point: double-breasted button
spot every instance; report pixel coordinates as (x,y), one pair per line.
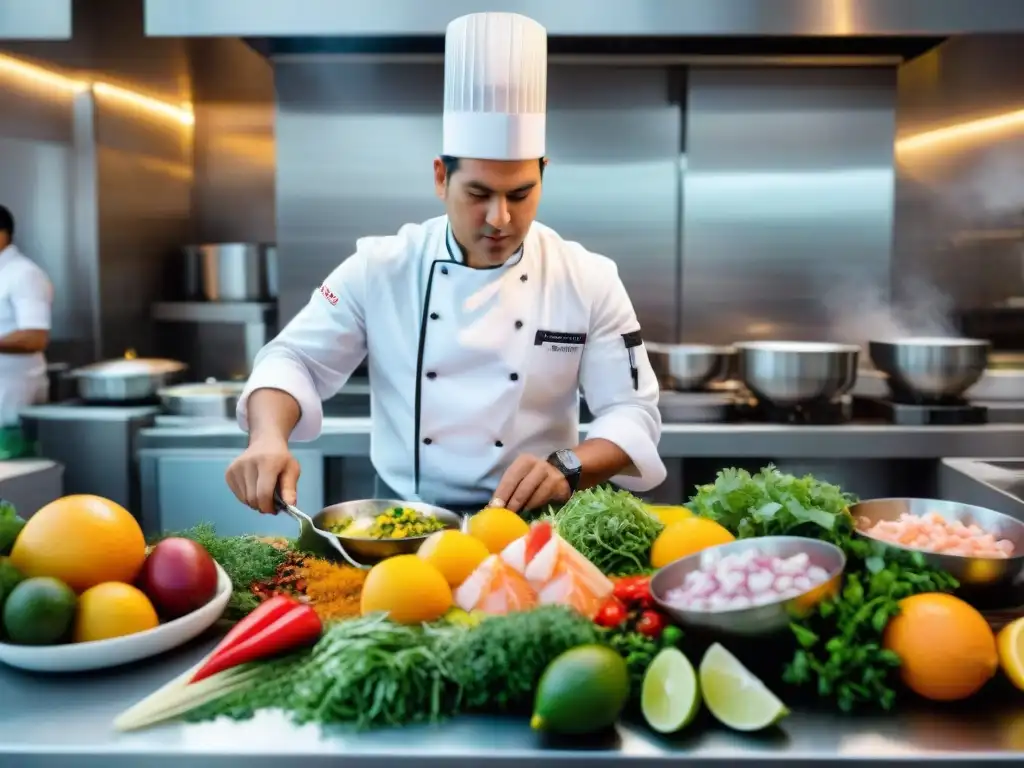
(431,375)
(427,441)
(523,278)
(514,376)
(444,270)
(519,324)
(498,444)
(434,316)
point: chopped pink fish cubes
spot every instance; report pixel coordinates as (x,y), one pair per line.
(744,580)
(933,533)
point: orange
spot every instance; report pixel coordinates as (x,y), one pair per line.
(686,537)
(112,610)
(947,649)
(82,541)
(409,589)
(454,554)
(497,528)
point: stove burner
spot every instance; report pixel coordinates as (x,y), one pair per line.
(907,397)
(924,414)
(819,412)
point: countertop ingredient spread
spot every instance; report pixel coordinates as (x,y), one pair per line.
(746,579)
(933,533)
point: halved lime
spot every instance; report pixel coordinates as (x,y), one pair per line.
(670,698)
(734,695)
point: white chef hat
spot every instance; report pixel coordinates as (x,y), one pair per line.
(495,87)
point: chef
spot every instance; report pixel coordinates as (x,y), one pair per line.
(26,297)
(480,327)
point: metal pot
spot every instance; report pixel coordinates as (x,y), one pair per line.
(212,400)
(231,271)
(791,373)
(127,379)
(930,368)
(689,367)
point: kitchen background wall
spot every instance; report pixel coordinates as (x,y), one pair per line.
(755,201)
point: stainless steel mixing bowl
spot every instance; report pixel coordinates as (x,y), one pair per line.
(791,373)
(930,368)
(984,581)
(760,619)
(368,550)
(689,367)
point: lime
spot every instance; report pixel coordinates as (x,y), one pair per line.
(39,611)
(734,695)
(670,697)
(582,691)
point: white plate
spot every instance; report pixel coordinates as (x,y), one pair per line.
(100,654)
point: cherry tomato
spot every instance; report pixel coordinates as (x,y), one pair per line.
(634,590)
(651,624)
(611,614)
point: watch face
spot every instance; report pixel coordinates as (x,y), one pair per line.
(568,459)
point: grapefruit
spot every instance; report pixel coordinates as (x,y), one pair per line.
(82,541)
(409,589)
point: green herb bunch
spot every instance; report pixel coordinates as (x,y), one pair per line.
(611,528)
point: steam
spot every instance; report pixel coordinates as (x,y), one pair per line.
(862,313)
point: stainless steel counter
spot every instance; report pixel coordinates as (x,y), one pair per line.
(348,437)
(65,721)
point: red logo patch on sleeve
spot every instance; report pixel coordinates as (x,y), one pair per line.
(328,294)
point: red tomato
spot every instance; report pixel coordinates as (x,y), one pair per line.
(611,614)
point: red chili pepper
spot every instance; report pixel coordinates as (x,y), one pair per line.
(299,626)
(611,614)
(265,614)
(651,624)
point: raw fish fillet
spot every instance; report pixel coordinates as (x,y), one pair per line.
(495,588)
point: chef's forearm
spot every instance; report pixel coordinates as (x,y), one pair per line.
(602,460)
(273,414)
(24,342)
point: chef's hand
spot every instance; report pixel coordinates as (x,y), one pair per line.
(264,466)
(530,482)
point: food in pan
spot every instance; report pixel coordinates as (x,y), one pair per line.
(395,523)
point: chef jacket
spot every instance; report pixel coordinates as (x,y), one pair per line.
(470,368)
(26,298)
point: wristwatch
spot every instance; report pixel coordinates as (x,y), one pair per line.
(568,463)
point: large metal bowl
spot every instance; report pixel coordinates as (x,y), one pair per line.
(985,581)
(368,550)
(931,369)
(689,367)
(791,373)
(759,620)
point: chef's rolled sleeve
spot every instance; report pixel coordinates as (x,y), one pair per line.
(32,300)
(624,404)
(316,353)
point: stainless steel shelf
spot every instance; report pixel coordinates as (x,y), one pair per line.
(245,313)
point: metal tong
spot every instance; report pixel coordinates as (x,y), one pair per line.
(313,539)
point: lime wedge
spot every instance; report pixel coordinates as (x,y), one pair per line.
(670,698)
(735,696)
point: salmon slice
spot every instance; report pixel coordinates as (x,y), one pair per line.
(495,588)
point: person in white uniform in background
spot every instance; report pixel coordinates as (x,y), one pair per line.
(480,327)
(26,298)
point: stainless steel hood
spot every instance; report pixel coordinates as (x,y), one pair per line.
(35,19)
(582,18)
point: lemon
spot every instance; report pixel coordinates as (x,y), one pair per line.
(1010,642)
(408,589)
(670,697)
(497,528)
(112,609)
(667,515)
(734,695)
(687,537)
(454,554)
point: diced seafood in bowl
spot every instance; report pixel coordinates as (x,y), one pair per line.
(933,533)
(746,579)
